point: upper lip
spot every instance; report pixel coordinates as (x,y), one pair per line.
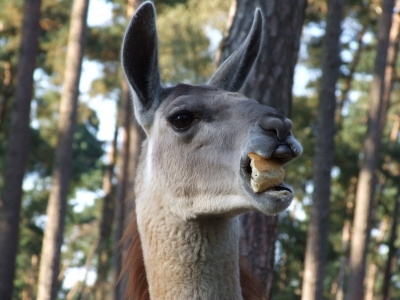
(283,153)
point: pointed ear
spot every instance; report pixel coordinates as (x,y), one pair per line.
(140,63)
(231,75)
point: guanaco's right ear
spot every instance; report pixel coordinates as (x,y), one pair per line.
(140,63)
(233,72)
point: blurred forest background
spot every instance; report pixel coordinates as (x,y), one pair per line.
(68,157)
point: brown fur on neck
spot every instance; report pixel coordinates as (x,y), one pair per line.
(137,285)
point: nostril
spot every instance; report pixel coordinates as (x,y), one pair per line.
(283,151)
(278,127)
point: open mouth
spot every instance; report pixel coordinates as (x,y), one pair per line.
(273,196)
(278,189)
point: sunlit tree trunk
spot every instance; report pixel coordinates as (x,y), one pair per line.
(18,148)
(107,215)
(370,281)
(136,139)
(390,77)
(391,74)
(317,236)
(31,279)
(346,234)
(372,267)
(80,286)
(270,82)
(372,144)
(391,259)
(56,209)
(123,171)
(5,93)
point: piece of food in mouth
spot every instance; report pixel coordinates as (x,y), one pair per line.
(265,173)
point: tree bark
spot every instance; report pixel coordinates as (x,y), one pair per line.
(81,285)
(5,93)
(317,236)
(269,82)
(346,234)
(31,279)
(390,70)
(391,259)
(390,73)
(18,148)
(56,210)
(123,167)
(136,138)
(257,244)
(370,281)
(106,223)
(373,268)
(372,144)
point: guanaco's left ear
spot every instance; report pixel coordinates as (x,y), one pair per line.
(231,75)
(140,63)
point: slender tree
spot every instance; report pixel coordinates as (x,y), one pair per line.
(317,236)
(372,267)
(56,209)
(270,82)
(346,233)
(123,172)
(18,148)
(79,289)
(391,259)
(367,177)
(106,221)
(4,98)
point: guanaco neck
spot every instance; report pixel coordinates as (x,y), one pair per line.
(190,259)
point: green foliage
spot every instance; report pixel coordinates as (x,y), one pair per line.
(104,43)
(53,38)
(184,46)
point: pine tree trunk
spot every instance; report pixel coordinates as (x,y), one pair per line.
(390,74)
(372,144)
(136,139)
(372,267)
(391,259)
(18,148)
(31,278)
(56,210)
(317,236)
(81,285)
(106,223)
(346,235)
(269,82)
(390,70)
(5,93)
(123,167)
(370,281)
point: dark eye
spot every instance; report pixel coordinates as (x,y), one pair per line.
(182,120)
